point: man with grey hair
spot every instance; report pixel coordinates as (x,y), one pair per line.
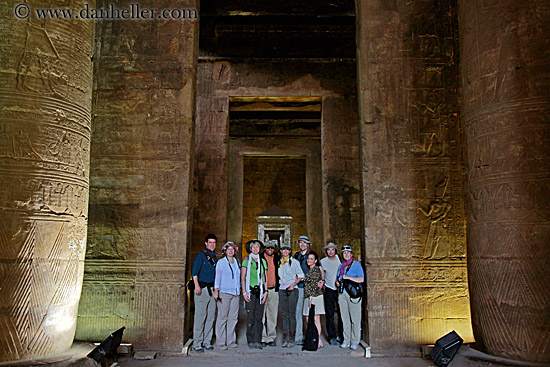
(330,265)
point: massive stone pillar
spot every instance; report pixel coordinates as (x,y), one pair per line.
(142,154)
(506,107)
(45,94)
(411,173)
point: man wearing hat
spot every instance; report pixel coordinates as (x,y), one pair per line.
(303,243)
(330,265)
(272,302)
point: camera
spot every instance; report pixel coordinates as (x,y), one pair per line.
(255,291)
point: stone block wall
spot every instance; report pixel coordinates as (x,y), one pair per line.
(274,181)
(142,156)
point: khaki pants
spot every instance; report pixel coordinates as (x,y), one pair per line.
(228,315)
(203,322)
(271,309)
(350,309)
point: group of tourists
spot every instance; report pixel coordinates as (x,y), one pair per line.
(273,283)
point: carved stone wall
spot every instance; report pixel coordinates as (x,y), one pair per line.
(142,154)
(505,75)
(341,174)
(216,173)
(45,104)
(411,173)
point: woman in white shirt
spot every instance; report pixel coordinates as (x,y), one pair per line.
(226,292)
(290,274)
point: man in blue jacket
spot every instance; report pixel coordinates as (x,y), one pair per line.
(203,273)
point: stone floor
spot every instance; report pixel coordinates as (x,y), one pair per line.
(329,356)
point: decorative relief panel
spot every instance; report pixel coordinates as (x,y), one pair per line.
(411,174)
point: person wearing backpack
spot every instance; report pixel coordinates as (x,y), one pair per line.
(350,309)
(227,290)
(203,274)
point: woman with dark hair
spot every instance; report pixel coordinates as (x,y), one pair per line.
(313,291)
(226,292)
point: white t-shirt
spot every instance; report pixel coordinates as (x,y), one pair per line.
(331,271)
(289,272)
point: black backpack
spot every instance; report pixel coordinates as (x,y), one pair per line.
(311,340)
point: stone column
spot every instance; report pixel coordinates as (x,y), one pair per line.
(414,225)
(142,153)
(45,94)
(505,68)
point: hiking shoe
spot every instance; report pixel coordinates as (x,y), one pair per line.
(258,346)
(198,350)
(233,345)
(272,344)
(333,342)
(300,342)
(251,345)
(208,347)
(344,345)
(223,347)
(353,347)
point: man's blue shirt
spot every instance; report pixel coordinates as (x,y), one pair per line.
(203,268)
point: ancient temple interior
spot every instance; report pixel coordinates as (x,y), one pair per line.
(416,132)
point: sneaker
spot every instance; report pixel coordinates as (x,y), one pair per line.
(258,346)
(251,345)
(223,347)
(233,345)
(272,344)
(208,347)
(300,342)
(344,345)
(339,339)
(198,350)
(353,347)
(333,342)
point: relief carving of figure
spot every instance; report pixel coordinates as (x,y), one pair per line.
(436,212)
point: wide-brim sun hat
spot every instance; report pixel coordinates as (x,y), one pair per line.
(230,244)
(305,239)
(251,242)
(330,245)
